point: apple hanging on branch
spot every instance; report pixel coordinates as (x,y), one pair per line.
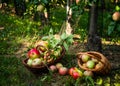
(116,16)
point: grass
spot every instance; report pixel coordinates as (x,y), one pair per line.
(17,33)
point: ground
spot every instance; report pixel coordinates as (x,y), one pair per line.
(110,51)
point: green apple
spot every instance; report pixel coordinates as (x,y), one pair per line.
(85,58)
(29,62)
(90,64)
(36,61)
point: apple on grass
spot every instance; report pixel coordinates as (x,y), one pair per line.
(75,75)
(88,73)
(59,65)
(71,70)
(63,71)
(75,72)
(52,68)
(79,71)
(33,53)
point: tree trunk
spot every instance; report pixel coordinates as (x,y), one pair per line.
(20,7)
(94,41)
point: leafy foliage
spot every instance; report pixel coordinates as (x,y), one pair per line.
(62,40)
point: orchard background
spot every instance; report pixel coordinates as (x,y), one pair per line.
(24,22)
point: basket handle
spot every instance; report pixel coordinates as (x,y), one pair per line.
(38,47)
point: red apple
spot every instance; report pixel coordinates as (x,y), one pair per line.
(79,71)
(75,72)
(59,65)
(33,53)
(75,75)
(116,16)
(71,70)
(63,71)
(53,68)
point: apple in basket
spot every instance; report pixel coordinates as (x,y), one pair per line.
(37,61)
(90,64)
(85,58)
(33,53)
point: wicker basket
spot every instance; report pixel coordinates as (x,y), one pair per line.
(37,70)
(103,69)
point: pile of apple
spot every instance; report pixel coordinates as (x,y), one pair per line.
(74,72)
(90,62)
(41,54)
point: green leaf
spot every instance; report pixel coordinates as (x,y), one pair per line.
(111,27)
(118,27)
(89,80)
(63,36)
(51,32)
(45,38)
(69,39)
(65,45)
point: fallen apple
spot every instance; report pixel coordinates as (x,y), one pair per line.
(71,71)
(88,73)
(53,68)
(90,64)
(59,65)
(63,71)
(79,71)
(85,58)
(33,53)
(75,75)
